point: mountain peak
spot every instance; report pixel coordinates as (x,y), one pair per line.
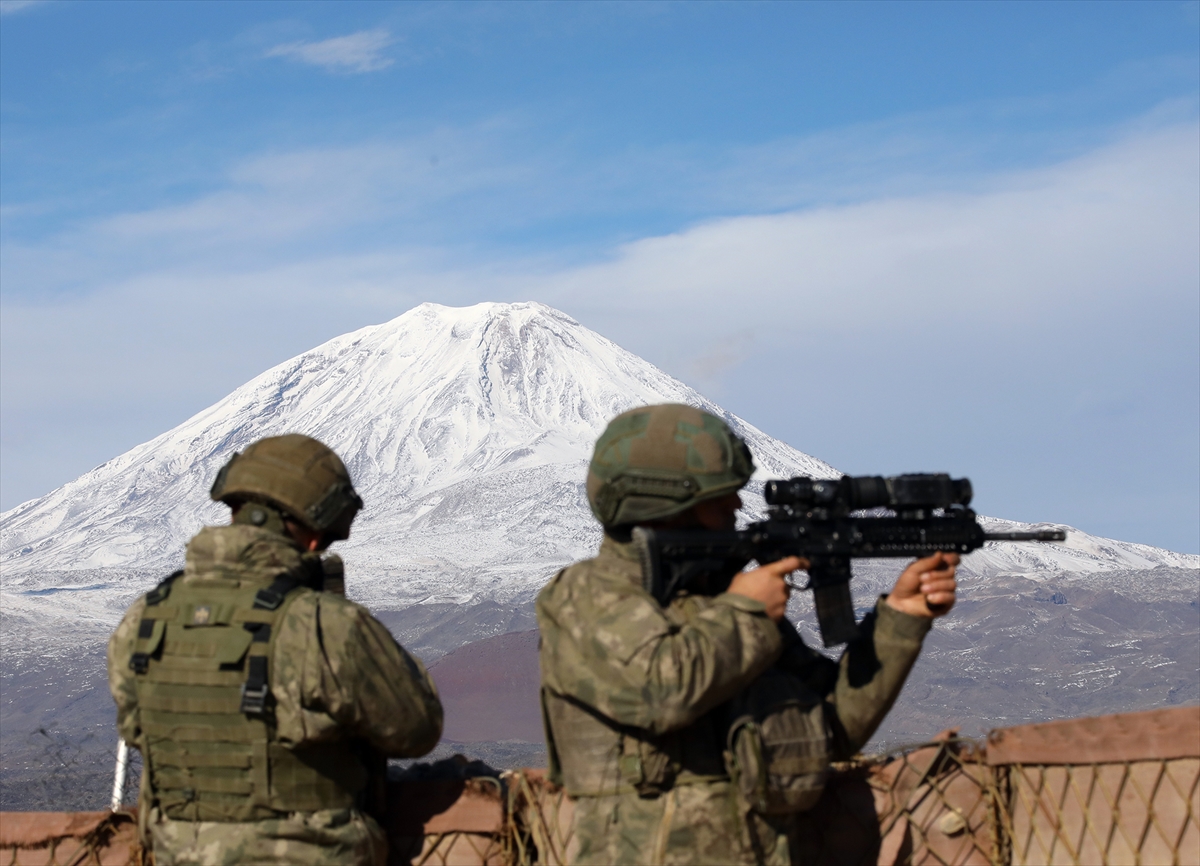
(439,398)
(467,432)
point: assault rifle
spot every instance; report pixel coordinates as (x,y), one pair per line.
(827,522)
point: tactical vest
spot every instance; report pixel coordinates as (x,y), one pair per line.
(206,711)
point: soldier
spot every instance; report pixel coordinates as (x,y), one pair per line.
(636,697)
(265,709)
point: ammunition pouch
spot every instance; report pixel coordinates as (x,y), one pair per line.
(778,746)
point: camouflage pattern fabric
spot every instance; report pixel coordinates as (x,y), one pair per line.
(337,676)
(655,461)
(298,839)
(619,669)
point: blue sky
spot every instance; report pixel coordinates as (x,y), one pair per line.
(899,236)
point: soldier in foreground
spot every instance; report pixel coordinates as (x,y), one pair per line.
(264,708)
(645,706)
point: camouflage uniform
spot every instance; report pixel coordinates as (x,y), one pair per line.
(292,784)
(632,693)
(624,678)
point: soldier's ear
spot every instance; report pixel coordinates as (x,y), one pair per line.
(310,541)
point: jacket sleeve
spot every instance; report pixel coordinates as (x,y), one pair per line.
(861,688)
(120,678)
(609,645)
(358,675)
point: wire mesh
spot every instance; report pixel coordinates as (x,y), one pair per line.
(1135,812)
(941,803)
(541,816)
(935,805)
(463,849)
(110,841)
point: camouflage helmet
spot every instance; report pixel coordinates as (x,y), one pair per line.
(296,473)
(658,461)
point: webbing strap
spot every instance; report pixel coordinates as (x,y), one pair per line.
(159,594)
(149,637)
(270,597)
(140,661)
(256,688)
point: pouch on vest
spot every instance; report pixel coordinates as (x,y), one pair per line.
(778,745)
(650,765)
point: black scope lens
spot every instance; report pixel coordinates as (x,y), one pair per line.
(871,491)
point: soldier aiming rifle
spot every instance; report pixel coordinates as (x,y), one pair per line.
(683,712)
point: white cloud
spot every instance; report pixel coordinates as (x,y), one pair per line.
(1120,223)
(8,7)
(1117,222)
(356,52)
(1065,292)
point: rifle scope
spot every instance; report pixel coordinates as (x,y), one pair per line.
(901,492)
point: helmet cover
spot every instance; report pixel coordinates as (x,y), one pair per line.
(296,473)
(654,462)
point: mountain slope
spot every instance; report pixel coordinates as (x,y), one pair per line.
(450,420)
(467,431)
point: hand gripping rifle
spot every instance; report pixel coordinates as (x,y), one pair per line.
(823,521)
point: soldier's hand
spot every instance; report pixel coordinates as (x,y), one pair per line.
(767,584)
(927,587)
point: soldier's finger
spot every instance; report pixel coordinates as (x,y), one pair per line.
(939,604)
(941,569)
(941,594)
(928,563)
(939,585)
(785,566)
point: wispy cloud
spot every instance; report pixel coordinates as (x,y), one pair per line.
(8,7)
(1061,297)
(357,52)
(1116,226)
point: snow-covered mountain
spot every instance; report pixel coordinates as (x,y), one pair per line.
(467,432)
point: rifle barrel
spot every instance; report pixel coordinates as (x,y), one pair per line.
(1040,535)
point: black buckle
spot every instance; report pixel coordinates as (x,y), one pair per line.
(140,663)
(268,598)
(254,699)
(255,689)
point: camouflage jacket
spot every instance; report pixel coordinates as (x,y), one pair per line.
(337,675)
(631,696)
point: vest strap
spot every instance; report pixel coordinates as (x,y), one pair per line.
(270,597)
(257,687)
(139,663)
(159,594)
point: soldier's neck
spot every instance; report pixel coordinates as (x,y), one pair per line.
(619,544)
(262,516)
